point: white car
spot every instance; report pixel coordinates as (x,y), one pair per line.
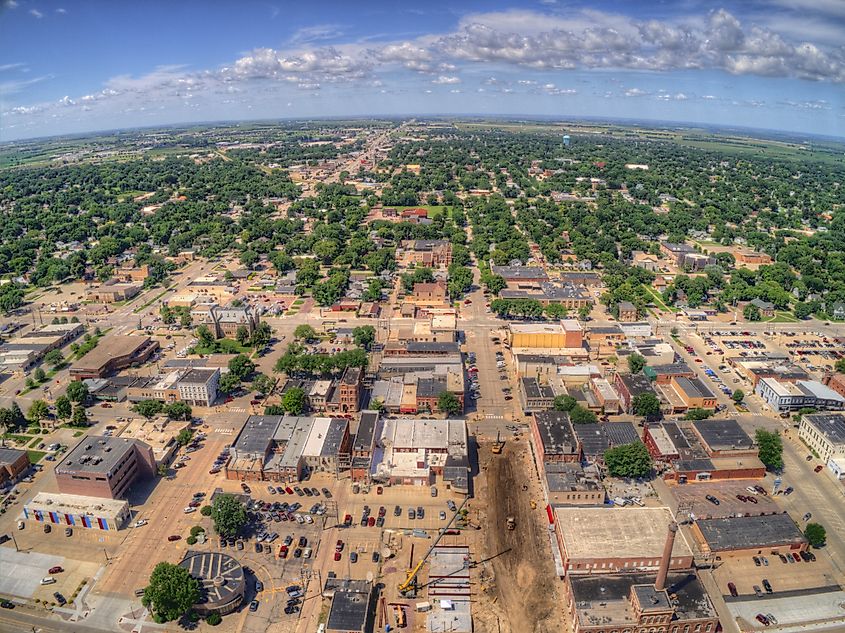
(189,509)
(140,523)
(751,490)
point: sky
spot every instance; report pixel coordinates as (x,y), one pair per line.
(74,66)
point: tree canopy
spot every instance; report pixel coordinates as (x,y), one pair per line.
(628,460)
(171,592)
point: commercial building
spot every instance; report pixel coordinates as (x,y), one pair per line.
(749,535)
(535,396)
(77,511)
(547,292)
(515,276)
(629,386)
(837,383)
(663,374)
(429,294)
(364,444)
(610,540)
(222,581)
(113,291)
(559,336)
(685,256)
(113,353)
(554,440)
(627,312)
(198,387)
(782,396)
(352,609)
(104,467)
(13,463)
(568,484)
(640,603)
(337,395)
(723,438)
(24,351)
(415,452)
(689,393)
(159,434)
(824,433)
(418,391)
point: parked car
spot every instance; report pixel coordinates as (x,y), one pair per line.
(767,585)
(762,619)
(173,537)
(732,589)
(55,570)
(712,499)
(253,606)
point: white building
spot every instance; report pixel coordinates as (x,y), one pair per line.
(198,387)
(824,433)
(786,396)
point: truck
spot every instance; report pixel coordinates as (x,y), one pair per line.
(511,523)
(498,445)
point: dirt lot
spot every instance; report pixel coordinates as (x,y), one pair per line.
(519,588)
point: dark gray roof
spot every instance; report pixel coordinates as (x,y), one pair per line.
(636,384)
(199,375)
(693,387)
(533,389)
(256,434)
(350,610)
(334,437)
(593,439)
(430,346)
(723,435)
(10,455)
(750,532)
(621,433)
(351,376)
(694,465)
(520,272)
(831,425)
(679,440)
(672,369)
(556,433)
(690,597)
(98,454)
(366,431)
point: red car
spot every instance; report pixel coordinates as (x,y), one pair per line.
(339,546)
(818,468)
(174,537)
(289,490)
(106,405)
(379,490)
(337,555)
(347,520)
(371,521)
(55,570)
(283,551)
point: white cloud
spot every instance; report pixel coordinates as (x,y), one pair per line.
(635,92)
(36,13)
(10,4)
(61,11)
(316,33)
(444,79)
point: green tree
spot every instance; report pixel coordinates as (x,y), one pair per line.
(261,336)
(564,403)
(38,411)
(262,383)
(294,401)
(738,396)
(364,336)
(167,315)
(304,332)
(178,411)
(376,405)
(171,592)
(79,418)
(580,415)
(636,363)
(54,357)
(39,375)
(206,511)
(77,391)
(495,283)
(646,404)
(816,534)
(584,312)
(769,449)
(448,403)
(184,436)
(64,408)
(242,335)
(241,367)
(205,336)
(698,414)
(555,311)
(228,514)
(229,383)
(840,365)
(148,408)
(628,460)
(751,313)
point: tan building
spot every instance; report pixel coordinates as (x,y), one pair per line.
(112,292)
(113,353)
(429,294)
(104,467)
(429,253)
(566,334)
(627,312)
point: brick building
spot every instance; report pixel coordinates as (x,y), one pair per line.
(104,467)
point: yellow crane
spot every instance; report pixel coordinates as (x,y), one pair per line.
(498,445)
(412,573)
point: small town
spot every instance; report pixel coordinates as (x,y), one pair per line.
(290,343)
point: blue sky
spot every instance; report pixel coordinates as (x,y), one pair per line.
(77,66)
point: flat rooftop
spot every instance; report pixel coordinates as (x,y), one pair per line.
(349,610)
(723,435)
(831,425)
(617,532)
(109,347)
(74,504)
(750,532)
(95,454)
(555,432)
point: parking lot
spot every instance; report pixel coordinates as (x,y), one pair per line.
(694,498)
(745,574)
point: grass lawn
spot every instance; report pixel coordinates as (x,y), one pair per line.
(78,433)
(35,442)
(21,439)
(658,300)
(35,456)
(782,317)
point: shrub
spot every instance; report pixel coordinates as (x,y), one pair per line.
(214,619)
(192,540)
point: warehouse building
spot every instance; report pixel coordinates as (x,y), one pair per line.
(69,510)
(749,535)
(609,540)
(113,353)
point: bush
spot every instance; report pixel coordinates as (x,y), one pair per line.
(205,511)
(197,529)
(192,540)
(214,619)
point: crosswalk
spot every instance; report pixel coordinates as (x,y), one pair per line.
(494,416)
(223,431)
